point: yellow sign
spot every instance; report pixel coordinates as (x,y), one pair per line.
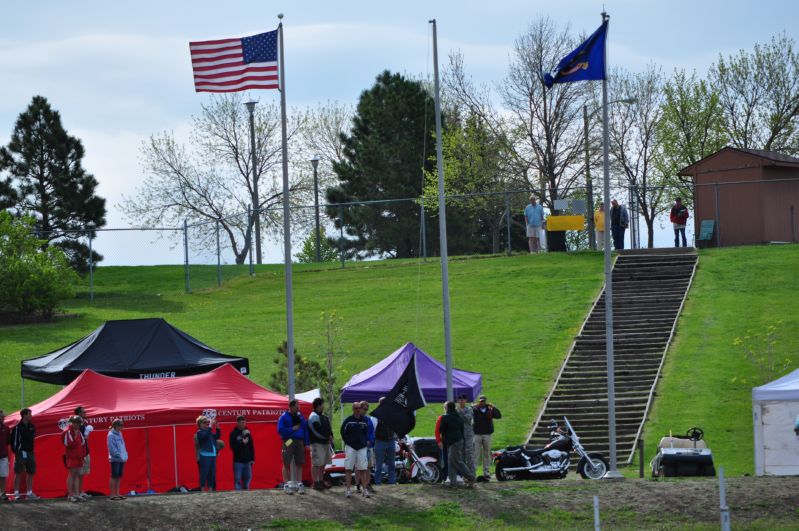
(559,223)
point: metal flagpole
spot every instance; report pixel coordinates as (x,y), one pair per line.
(286,220)
(442,220)
(612,473)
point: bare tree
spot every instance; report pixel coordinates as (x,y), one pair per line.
(759,93)
(210,178)
(633,140)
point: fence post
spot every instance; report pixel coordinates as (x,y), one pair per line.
(718,227)
(793,223)
(724,510)
(249,224)
(186,254)
(341,234)
(91,269)
(596,513)
(424,233)
(218,258)
(640,458)
(507,221)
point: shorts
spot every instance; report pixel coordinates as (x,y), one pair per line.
(3,467)
(533,232)
(87,466)
(74,462)
(321,454)
(116,469)
(355,459)
(293,452)
(25,465)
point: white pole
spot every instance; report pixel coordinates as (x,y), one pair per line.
(286,220)
(596,513)
(723,509)
(442,220)
(612,473)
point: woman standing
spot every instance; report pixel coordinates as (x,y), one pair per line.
(75,453)
(206,440)
(117,456)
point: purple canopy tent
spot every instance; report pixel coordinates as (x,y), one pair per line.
(378,379)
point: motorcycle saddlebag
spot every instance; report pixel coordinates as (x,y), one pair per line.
(511,457)
(426,448)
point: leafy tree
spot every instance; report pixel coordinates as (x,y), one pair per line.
(46,179)
(308,374)
(35,277)
(385,157)
(327,252)
(759,95)
(690,128)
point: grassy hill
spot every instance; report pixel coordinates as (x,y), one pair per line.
(513,319)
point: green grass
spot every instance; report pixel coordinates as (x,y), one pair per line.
(513,319)
(707,382)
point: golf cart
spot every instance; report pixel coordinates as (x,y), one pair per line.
(686,455)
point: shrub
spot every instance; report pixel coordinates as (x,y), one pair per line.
(34,277)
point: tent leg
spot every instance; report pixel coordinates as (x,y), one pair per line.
(22,397)
(175,453)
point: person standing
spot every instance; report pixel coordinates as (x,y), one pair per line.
(679,218)
(385,451)
(293,430)
(452,435)
(74,455)
(440,443)
(370,451)
(619,221)
(85,429)
(484,415)
(22,440)
(534,219)
(117,457)
(321,436)
(243,449)
(358,434)
(467,415)
(5,443)
(599,226)
(208,433)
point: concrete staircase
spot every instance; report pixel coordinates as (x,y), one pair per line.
(649,287)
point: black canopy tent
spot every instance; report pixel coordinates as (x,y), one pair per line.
(133,348)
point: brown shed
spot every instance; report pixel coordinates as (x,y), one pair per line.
(751,195)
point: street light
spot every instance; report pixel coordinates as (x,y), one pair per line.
(315,164)
(256,201)
(589,186)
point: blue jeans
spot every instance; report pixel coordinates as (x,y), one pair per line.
(385,453)
(207,465)
(242,475)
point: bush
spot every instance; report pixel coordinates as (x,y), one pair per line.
(35,277)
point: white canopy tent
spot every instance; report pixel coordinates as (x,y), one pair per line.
(775,411)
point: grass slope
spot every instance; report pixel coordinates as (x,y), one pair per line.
(513,319)
(707,382)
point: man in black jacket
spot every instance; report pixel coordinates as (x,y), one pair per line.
(358,434)
(385,451)
(22,437)
(321,434)
(243,449)
(484,415)
(452,436)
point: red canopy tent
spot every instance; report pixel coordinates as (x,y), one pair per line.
(159,417)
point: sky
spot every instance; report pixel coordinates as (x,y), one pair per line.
(120,71)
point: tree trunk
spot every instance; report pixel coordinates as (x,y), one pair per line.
(650,232)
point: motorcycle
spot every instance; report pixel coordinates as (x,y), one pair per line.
(416,460)
(551,461)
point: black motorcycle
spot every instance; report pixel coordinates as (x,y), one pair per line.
(551,461)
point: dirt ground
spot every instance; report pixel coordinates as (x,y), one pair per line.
(652,504)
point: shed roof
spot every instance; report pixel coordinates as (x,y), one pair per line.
(771,157)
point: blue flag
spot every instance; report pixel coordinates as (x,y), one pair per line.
(585,63)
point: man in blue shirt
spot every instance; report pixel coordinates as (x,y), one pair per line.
(533,218)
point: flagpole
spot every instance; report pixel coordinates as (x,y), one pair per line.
(442,220)
(286,219)
(613,473)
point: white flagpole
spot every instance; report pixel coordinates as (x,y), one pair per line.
(286,219)
(613,472)
(442,220)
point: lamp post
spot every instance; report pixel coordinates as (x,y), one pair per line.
(315,164)
(256,201)
(589,185)
(90,226)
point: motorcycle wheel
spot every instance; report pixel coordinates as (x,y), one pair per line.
(598,471)
(499,472)
(428,474)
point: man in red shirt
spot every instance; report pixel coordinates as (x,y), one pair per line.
(5,442)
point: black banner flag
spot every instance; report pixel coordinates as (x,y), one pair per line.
(398,409)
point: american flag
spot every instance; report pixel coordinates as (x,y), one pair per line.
(232,65)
